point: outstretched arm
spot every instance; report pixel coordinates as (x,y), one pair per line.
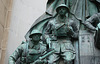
(93,19)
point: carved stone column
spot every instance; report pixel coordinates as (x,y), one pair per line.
(5,14)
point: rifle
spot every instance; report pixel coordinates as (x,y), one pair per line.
(43,57)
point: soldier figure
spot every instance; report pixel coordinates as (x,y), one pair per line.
(59,32)
(29,52)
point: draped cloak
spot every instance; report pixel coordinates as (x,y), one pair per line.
(81,9)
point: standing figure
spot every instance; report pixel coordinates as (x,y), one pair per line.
(29,52)
(59,33)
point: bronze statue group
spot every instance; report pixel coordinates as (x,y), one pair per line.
(50,39)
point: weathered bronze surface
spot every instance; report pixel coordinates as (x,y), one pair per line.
(93,23)
(28,52)
(59,32)
(70,34)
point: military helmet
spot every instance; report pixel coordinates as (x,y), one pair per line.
(62,5)
(35,32)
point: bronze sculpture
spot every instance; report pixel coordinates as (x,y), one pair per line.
(59,32)
(28,52)
(81,9)
(93,24)
(60,25)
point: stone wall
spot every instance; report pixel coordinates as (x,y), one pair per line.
(5,14)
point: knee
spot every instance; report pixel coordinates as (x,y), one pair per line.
(68,56)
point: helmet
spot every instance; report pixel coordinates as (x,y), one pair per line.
(62,5)
(35,32)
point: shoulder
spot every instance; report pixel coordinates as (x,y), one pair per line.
(95,16)
(23,46)
(23,42)
(51,21)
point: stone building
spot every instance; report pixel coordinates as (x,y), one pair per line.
(5,16)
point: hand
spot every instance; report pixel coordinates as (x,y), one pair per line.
(69,29)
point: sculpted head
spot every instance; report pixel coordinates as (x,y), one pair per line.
(62,9)
(35,35)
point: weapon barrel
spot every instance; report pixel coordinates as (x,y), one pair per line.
(46,55)
(43,57)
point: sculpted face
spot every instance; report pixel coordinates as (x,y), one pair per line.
(62,11)
(36,37)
